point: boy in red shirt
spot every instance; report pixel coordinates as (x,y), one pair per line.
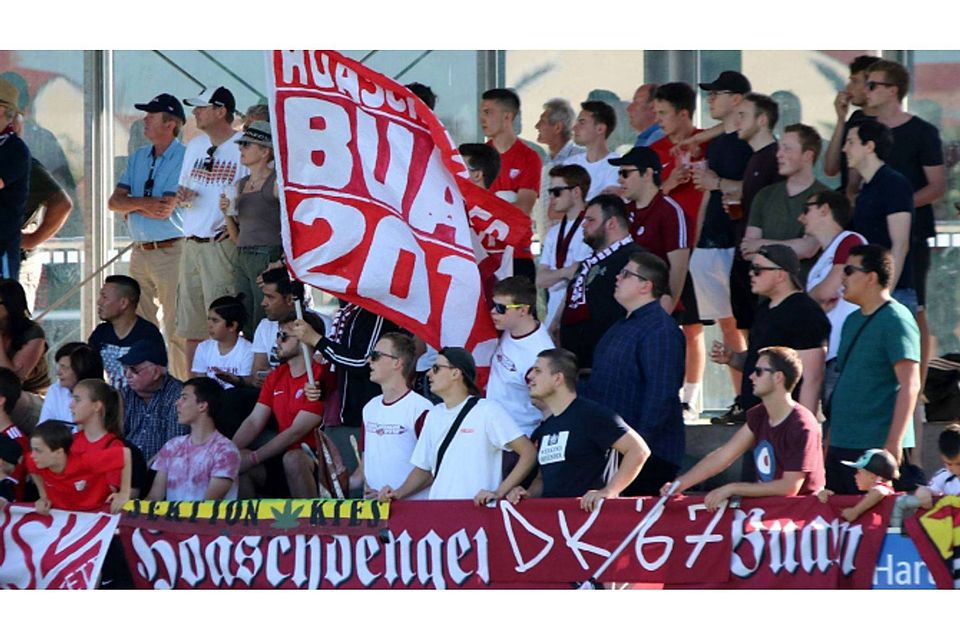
(77,482)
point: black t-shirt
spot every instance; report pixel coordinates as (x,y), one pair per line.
(604,310)
(916,144)
(727,156)
(762,170)
(42,187)
(888,192)
(104,339)
(15,173)
(573,448)
(797,322)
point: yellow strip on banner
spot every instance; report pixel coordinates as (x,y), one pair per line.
(336,511)
(939,525)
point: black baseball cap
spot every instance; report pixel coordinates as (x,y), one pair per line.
(732,81)
(785,258)
(460,358)
(145,351)
(219,97)
(642,158)
(878,461)
(163,103)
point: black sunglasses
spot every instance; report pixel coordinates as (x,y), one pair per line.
(850,269)
(436,368)
(873,84)
(376,355)
(208,161)
(758,371)
(556,191)
(625,173)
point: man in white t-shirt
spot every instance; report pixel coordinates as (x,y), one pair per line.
(211,163)
(393,420)
(204,464)
(471,467)
(596,122)
(563,246)
(523,337)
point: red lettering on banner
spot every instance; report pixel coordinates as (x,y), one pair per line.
(402,273)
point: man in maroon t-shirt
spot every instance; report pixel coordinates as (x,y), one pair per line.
(783,434)
(657,222)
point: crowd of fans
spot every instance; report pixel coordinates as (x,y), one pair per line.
(203,381)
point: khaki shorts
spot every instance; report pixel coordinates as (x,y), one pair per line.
(206,273)
(710,270)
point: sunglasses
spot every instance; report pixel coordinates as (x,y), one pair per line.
(376,355)
(208,161)
(756,269)
(556,191)
(436,368)
(850,269)
(758,371)
(873,84)
(625,173)
(501,308)
(283,336)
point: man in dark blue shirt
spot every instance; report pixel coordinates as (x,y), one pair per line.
(638,370)
(14,182)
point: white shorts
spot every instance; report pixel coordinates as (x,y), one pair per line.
(710,270)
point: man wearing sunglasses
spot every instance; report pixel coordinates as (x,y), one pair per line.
(146,197)
(393,420)
(284,398)
(878,378)
(522,338)
(563,246)
(786,317)
(471,466)
(210,163)
(657,222)
(638,370)
(782,435)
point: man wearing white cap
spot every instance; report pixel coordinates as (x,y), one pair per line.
(14,182)
(210,164)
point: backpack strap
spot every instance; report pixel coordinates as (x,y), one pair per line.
(471,402)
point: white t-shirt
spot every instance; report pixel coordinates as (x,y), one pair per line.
(473,460)
(56,406)
(945,483)
(389,438)
(818,273)
(578,251)
(508,371)
(203,217)
(239,361)
(265,339)
(602,173)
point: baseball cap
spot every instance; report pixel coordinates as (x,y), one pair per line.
(460,358)
(145,351)
(642,158)
(732,81)
(10,450)
(219,97)
(163,103)
(258,133)
(785,258)
(9,95)
(878,461)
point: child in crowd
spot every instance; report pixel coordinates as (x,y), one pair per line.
(9,394)
(11,456)
(97,410)
(876,471)
(946,481)
(73,481)
(225,356)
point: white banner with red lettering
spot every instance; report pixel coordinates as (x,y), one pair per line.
(373,209)
(63,550)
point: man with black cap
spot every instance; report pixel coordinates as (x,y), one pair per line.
(14,182)
(150,399)
(146,196)
(211,163)
(788,317)
(657,222)
(716,237)
(469,434)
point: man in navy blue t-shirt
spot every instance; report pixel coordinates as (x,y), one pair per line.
(574,443)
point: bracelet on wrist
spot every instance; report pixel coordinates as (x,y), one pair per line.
(253,457)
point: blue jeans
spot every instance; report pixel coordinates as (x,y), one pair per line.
(908,298)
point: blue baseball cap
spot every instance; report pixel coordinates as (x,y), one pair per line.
(145,351)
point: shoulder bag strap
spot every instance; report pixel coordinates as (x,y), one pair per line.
(471,402)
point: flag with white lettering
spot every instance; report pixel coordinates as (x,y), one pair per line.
(372,199)
(62,550)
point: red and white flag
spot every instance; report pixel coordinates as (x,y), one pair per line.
(373,206)
(63,550)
